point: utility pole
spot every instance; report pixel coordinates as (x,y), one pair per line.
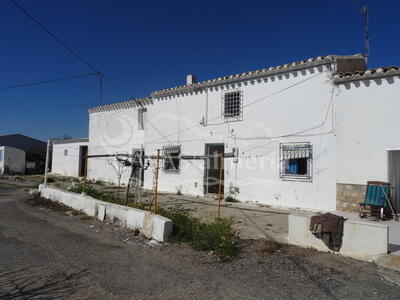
(155,191)
(101,88)
(47,162)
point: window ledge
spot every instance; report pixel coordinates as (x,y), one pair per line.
(305,178)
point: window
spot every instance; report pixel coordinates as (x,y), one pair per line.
(296,161)
(232,106)
(65,152)
(171,161)
(141,118)
(1,155)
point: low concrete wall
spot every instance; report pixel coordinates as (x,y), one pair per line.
(151,225)
(361,239)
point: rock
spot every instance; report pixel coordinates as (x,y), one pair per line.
(69,213)
(34,192)
(18,179)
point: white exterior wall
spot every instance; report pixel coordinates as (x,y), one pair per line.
(112,132)
(13,158)
(367,122)
(66,165)
(296,104)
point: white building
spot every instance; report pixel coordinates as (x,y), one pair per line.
(68,158)
(12,160)
(303,133)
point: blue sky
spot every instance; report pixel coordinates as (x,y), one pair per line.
(142,46)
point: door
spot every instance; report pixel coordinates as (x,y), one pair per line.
(394,177)
(83,150)
(212,169)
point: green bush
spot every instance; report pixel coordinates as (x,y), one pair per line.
(231,199)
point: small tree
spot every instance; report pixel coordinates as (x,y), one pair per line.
(119,166)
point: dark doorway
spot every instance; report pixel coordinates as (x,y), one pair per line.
(394,177)
(212,167)
(83,150)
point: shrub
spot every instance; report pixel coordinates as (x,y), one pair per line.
(231,199)
(217,236)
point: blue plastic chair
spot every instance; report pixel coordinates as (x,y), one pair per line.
(377,198)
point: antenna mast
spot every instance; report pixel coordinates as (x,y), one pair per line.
(366,52)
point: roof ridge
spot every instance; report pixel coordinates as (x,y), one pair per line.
(368,74)
(300,64)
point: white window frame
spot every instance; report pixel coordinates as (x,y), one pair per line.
(304,150)
(235,117)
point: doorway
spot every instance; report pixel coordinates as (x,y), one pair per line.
(83,150)
(212,168)
(394,177)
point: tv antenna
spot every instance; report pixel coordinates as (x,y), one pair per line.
(366,51)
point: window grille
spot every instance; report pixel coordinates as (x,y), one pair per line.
(296,161)
(232,106)
(171,160)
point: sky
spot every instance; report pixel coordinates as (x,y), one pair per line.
(143,46)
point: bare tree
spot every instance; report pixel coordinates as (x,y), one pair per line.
(119,166)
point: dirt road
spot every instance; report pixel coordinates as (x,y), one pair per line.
(52,253)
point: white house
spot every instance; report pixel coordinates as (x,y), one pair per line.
(68,158)
(304,133)
(12,160)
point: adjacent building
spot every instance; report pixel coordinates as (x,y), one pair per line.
(35,150)
(12,160)
(68,157)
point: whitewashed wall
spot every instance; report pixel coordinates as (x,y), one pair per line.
(67,165)
(13,158)
(112,132)
(367,122)
(292,107)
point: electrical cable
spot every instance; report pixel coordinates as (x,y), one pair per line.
(69,49)
(46,81)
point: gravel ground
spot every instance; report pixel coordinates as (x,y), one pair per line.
(51,251)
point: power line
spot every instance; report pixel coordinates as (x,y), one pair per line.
(46,81)
(69,49)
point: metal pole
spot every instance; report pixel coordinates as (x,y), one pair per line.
(221,172)
(46,168)
(156,181)
(101,89)
(85,174)
(129,181)
(141,170)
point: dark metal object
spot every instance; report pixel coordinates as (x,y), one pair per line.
(329,228)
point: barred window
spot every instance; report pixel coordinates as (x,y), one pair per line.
(232,106)
(171,160)
(296,161)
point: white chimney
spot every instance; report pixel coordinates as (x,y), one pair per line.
(190,79)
